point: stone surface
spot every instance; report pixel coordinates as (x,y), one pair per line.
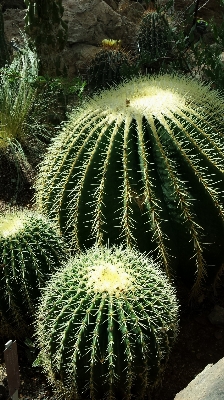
(133,12)
(89,22)
(216,316)
(208,385)
(78,56)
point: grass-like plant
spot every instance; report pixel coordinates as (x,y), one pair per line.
(26,108)
(142,164)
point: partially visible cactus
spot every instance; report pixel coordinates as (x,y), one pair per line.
(106,324)
(109,66)
(142,164)
(4,51)
(44,25)
(154,37)
(30,250)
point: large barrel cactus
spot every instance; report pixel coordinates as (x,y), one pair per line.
(143,164)
(30,250)
(106,324)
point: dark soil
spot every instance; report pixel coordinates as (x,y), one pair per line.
(199,342)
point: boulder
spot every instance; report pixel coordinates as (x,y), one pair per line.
(91,21)
(208,385)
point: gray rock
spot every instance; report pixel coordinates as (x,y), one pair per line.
(208,385)
(78,56)
(134,12)
(91,21)
(216,316)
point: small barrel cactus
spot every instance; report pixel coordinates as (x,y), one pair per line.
(109,66)
(105,325)
(142,164)
(154,36)
(30,249)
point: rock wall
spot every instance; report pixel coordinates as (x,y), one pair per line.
(89,22)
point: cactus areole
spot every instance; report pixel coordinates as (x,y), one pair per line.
(106,324)
(143,164)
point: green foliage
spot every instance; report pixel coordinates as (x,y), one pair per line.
(109,66)
(30,250)
(197,48)
(4,53)
(142,164)
(207,62)
(44,25)
(28,113)
(105,325)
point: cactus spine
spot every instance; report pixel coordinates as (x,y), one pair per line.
(30,249)
(106,324)
(44,25)
(142,164)
(4,53)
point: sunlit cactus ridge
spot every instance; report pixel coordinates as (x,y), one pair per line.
(30,249)
(105,325)
(142,164)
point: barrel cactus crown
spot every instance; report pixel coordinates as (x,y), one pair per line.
(142,164)
(30,249)
(105,325)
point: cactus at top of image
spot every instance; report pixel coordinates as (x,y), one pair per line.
(143,164)
(154,36)
(105,325)
(30,250)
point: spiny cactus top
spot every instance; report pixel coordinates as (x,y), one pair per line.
(105,325)
(30,249)
(143,164)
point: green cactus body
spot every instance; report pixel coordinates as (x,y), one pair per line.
(4,53)
(109,66)
(105,325)
(44,25)
(30,250)
(154,37)
(142,164)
